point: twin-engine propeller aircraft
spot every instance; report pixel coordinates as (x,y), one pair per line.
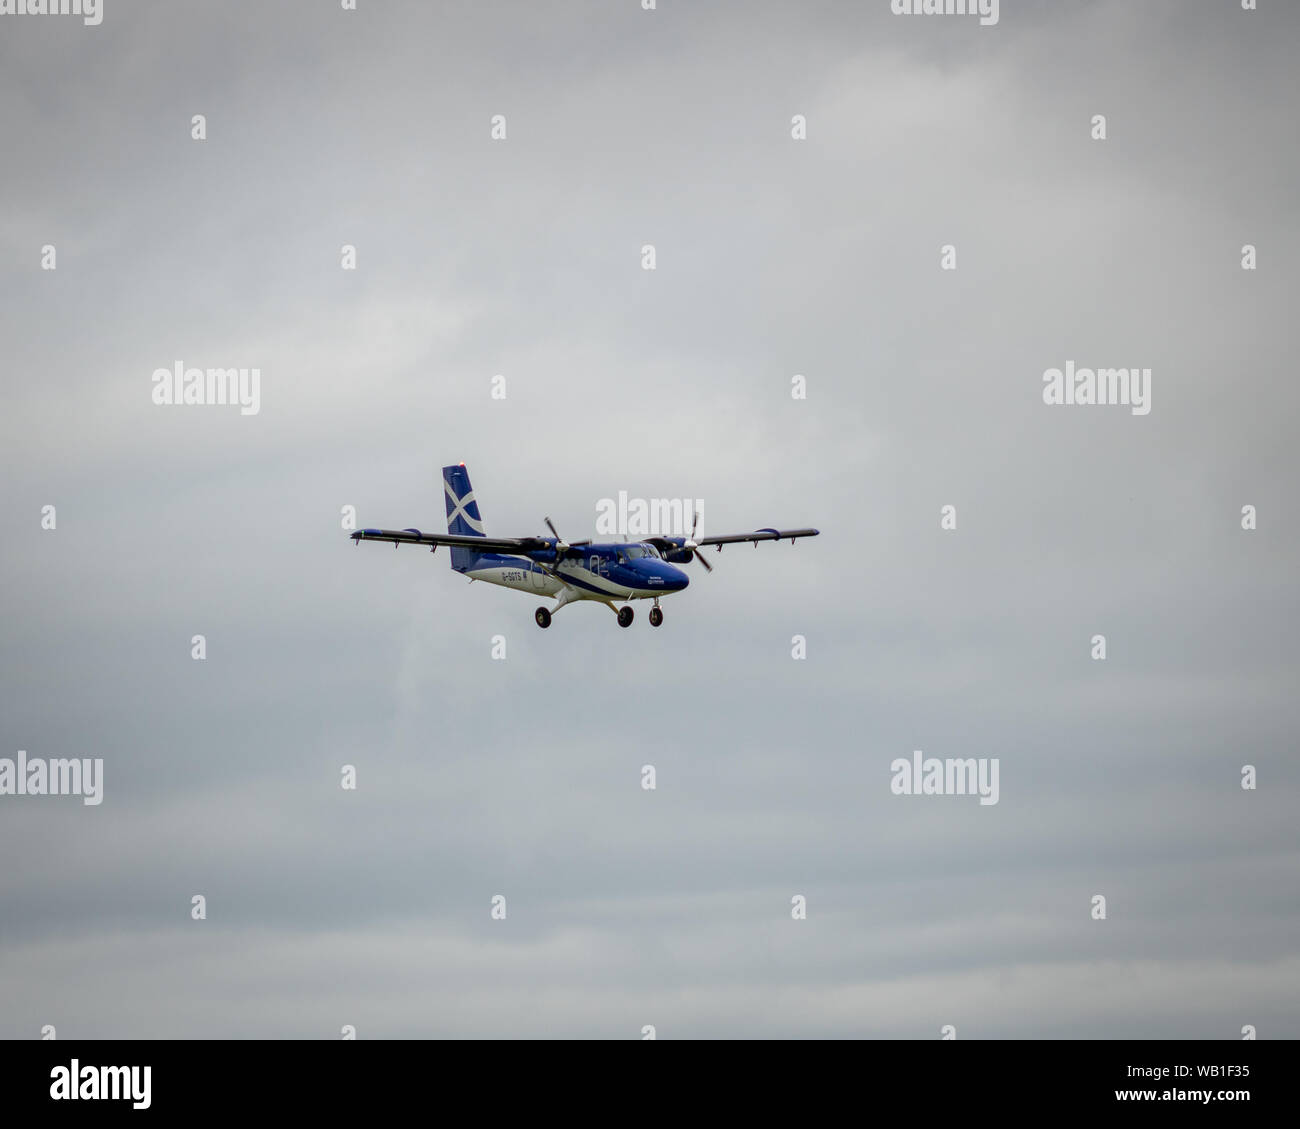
(568,570)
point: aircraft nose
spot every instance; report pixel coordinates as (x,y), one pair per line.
(664,576)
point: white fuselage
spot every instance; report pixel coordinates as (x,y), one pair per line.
(593,577)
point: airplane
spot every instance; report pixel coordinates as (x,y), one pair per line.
(570,571)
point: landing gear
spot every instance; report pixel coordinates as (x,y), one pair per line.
(625,617)
(543,617)
(656,617)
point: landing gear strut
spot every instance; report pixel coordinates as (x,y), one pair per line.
(656,617)
(543,617)
(625,617)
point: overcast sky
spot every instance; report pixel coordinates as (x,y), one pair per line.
(774,257)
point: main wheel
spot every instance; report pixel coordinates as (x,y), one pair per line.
(656,617)
(624,617)
(543,617)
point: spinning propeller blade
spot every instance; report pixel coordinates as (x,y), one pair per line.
(691,547)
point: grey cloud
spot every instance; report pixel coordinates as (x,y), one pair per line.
(522,777)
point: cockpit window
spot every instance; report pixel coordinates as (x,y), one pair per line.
(635,551)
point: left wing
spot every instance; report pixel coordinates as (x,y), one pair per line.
(682,544)
(687,549)
(759,535)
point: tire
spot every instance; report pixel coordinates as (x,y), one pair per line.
(543,617)
(625,616)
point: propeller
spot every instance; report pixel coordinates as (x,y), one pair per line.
(691,547)
(561,547)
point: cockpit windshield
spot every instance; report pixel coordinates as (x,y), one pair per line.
(634,551)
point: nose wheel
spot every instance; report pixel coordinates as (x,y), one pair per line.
(656,617)
(543,617)
(625,617)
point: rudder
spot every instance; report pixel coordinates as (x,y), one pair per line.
(463,517)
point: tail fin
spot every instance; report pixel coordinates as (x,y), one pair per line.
(463,517)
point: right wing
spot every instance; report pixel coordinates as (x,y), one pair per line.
(485,544)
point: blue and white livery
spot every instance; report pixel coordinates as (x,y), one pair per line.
(567,571)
